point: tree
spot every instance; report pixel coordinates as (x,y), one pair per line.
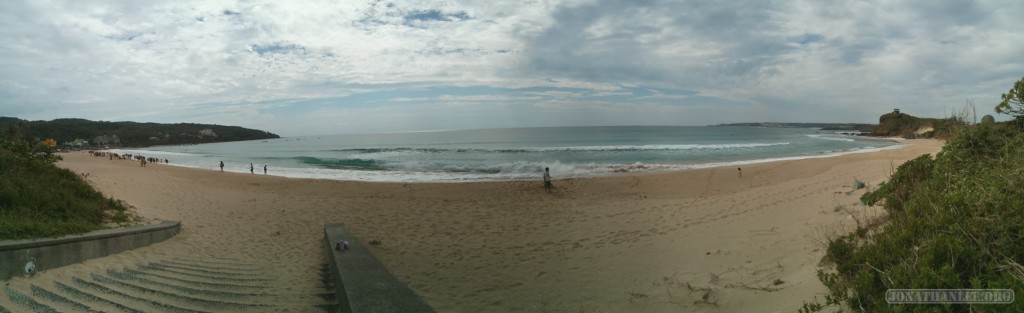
(1013,101)
(14,144)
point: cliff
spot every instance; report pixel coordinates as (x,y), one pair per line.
(898,124)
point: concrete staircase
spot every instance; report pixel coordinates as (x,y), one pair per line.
(172,285)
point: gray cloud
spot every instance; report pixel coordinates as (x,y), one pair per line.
(884,53)
(634,41)
(278,61)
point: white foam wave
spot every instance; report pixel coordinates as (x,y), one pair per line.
(793,158)
(149,152)
(409,150)
(431,172)
(817,136)
(666,147)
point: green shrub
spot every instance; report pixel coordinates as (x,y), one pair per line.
(38,199)
(955,221)
(898,189)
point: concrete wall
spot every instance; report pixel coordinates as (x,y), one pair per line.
(56,252)
(362,282)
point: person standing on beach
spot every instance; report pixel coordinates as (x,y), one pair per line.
(547,180)
(252,169)
(222,166)
(740,169)
(264,169)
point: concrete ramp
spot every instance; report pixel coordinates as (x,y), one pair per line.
(363,284)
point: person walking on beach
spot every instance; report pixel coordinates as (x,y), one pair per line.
(740,169)
(222,166)
(547,180)
(252,169)
(264,169)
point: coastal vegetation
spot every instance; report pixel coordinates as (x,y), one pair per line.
(899,124)
(893,124)
(38,199)
(952,221)
(132,134)
(1013,100)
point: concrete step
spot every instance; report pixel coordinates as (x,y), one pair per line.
(201,275)
(208,271)
(215,267)
(329,295)
(60,301)
(128,298)
(216,262)
(27,302)
(155,284)
(175,285)
(204,302)
(89,297)
(198,283)
(215,270)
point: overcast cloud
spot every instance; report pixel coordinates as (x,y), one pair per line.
(323,67)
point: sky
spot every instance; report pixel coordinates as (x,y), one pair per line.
(332,67)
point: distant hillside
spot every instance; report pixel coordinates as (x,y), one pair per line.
(898,124)
(131,134)
(823,126)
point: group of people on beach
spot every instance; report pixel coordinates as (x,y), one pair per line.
(143,160)
(252,168)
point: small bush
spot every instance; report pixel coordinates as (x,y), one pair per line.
(898,189)
(955,221)
(38,199)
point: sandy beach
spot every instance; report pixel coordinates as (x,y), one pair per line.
(701,240)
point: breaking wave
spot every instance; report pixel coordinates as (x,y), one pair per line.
(623,148)
(816,136)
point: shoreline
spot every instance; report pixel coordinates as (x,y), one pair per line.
(700,240)
(618,172)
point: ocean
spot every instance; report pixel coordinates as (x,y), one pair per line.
(514,154)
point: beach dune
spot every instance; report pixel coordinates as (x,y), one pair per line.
(702,240)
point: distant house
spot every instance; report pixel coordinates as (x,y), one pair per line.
(50,142)
(207,133)
(106,140)
(77,143)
